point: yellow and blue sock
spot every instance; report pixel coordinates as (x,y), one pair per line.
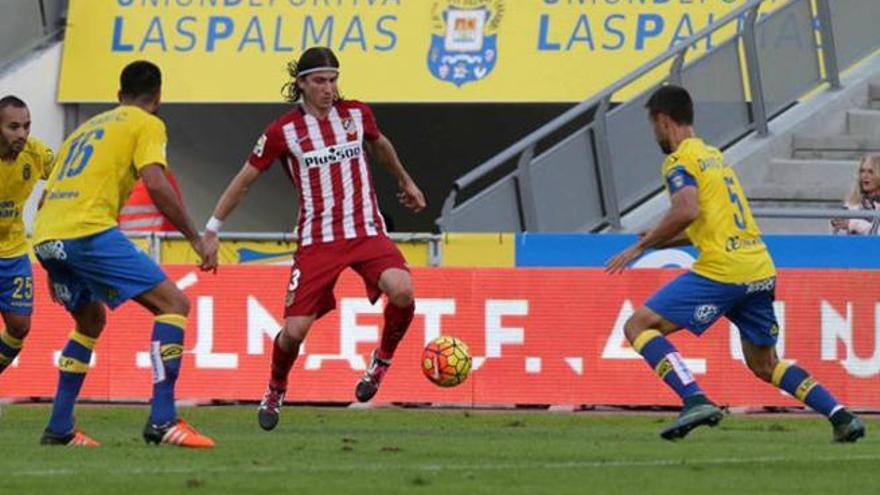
(73,366)
(166,351)
(662,356)
(9,348)
(797,382)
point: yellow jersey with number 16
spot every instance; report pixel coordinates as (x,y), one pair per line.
(728,239)
(96,169)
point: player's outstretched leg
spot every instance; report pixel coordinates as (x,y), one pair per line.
(285,350)
(73,366)
(664,359)
(765,364)
(284,354)
(797,382)
(170,307)
(166,352)
(397,321)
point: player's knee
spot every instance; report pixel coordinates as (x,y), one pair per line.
(296,333)
(764,371)
(179,305)
(402,298)
(632,328)
(19,329)
(401,294)
(99,321)
(91,324)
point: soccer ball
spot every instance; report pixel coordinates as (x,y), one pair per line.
(446,361)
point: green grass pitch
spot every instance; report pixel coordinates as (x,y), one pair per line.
(334,450)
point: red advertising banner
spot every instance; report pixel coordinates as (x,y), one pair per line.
(538,336)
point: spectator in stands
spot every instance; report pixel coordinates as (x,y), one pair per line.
(140,214)
(865,195)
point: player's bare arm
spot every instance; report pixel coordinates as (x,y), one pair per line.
(229,200)
(166,201)
(382,151)
(683,212)
(678,241)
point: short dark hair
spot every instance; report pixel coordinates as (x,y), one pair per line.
(140,78)
(674,102)
(11,101)
(313,58)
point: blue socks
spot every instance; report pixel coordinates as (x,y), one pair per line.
(797,382)
(73,366)
(166,351)
(662,356)
(667,363)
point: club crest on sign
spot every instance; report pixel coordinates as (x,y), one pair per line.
(464,39)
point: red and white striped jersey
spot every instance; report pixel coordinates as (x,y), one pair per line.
(326,161)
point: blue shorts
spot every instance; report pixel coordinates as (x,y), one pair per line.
(102,267)
(16,285)
(696,302)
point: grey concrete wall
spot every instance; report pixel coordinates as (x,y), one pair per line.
(20,23)
(436,142)
(765,167)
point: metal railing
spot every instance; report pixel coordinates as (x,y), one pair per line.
(29,25)
(605,172)
(154,239)
(814,213)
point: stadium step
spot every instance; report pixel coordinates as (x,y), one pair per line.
(791,179)
(842,147)
(863,122)
(874,96)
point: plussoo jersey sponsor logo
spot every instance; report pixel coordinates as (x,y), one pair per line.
(332,154)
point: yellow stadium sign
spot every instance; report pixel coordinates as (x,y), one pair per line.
(390,50)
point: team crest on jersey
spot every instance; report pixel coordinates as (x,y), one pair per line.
(705,313)
(464,41)
(349,128)
(26,172)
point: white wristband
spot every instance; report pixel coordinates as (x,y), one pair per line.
(214,224)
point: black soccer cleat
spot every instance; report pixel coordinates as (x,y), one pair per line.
(368,385)
(850,431)
(270,408)
(692,417)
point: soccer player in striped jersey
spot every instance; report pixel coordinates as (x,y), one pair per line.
(90,262)
(23,161)
(733,276)
(323,143)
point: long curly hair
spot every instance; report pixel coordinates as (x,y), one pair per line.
(317,56)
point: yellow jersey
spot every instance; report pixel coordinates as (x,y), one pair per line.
(96,169)
(728,239)
(17,180)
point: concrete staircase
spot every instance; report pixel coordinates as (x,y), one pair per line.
(821,168)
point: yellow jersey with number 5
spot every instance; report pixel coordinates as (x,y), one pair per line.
(728,239)
(17,180)
(96,169)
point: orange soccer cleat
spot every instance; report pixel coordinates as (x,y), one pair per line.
(74,439)
(177,432)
